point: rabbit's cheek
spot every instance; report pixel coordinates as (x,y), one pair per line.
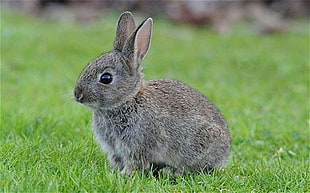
(107,98)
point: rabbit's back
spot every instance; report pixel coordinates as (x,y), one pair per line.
(178,99)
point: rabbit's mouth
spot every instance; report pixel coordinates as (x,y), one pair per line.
(84,100)
(91,105)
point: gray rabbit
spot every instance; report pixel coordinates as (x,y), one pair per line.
(142,124)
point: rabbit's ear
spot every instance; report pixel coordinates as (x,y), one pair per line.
(138,43)
(125,26)
(143,39)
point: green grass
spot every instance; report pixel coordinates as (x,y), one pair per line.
(260,83)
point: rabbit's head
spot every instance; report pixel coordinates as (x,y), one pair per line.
(115,77)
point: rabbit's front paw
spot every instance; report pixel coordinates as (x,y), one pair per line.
(127,170)
(115,161)
(172,171)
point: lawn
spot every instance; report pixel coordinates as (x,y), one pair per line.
(259,82)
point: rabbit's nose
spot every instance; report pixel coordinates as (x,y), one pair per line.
(79,97)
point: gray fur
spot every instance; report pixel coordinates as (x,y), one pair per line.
(141,124)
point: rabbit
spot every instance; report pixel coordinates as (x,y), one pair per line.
(162,124)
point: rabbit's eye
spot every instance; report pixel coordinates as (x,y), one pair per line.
(106,78)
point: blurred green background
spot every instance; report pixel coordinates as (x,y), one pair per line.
(259,81)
